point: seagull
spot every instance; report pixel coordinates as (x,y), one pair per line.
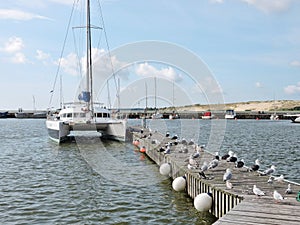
(199,148)
(167,134)
(277,196)
(202,175)
(227,175)
(255,166)
(280,178)
(168,150)
(185,150)
(232,158)
(289,189)
(227,155)
(257,191)
(174,137)
(217,157)
(196,154)
(192,161)
(213,164)
(229,185)
(161,149)
(204,167)
(191,167)
(240,164)
(154,141)
(191,142)
(183,141)
(270,180)
(269,171)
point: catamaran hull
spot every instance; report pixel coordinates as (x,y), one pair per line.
(115,131)
(60,131)
(57,130)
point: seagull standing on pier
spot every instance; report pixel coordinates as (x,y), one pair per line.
(257,191)
(289,189)
(196,154)
(191,167)
(192,161)
(204,167)
(191,142)
(270,180)
(240,164)
(213,164)
(255,166)
(183,141)
(168,150)
(277,196)
(280,178)
(227,155)
(217,157)
(227,175)
(269,171)
(232,158)
(174,137)
(202,175)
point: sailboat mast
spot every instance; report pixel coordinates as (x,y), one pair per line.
(89,86)
(155,93)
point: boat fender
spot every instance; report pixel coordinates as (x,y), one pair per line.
(165,169)
(203,202)
(143,149)
(136,143)
(179,183)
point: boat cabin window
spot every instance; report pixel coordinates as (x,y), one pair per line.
(102,115)
(69,114)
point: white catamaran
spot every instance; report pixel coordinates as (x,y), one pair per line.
(84,114)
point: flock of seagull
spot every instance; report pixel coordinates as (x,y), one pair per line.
(193,164)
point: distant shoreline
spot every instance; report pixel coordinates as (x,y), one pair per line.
(267,106)
(279,105)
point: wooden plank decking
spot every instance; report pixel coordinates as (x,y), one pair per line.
(238,205)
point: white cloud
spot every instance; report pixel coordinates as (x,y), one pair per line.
(40,55)
(146,70)
(295,63)
(102,64)
(18,58)
(292,89)
(269,6)
(69,65)
(14,44)
(13,47)
(18,15)
(258,85)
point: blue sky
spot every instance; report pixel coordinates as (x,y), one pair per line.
(252,47)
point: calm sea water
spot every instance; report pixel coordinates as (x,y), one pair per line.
(96,182)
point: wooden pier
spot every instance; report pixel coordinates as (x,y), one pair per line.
(238,205)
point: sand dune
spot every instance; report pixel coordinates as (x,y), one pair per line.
(280,105)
